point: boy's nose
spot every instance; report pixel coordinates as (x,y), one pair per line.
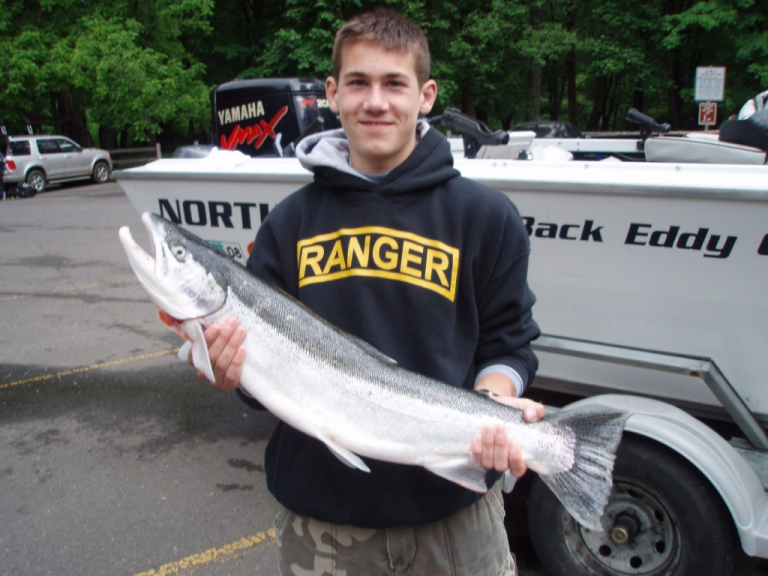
(376,99)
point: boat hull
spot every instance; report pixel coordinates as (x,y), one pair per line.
(664,257)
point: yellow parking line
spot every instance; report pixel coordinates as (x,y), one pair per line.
(223,554)
(88,368)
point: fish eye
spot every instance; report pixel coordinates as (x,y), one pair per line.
(178,251)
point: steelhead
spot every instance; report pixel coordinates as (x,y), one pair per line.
(358,402)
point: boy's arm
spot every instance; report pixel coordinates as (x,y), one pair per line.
(505,361)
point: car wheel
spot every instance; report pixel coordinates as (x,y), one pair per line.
(663,518)
(36,179)
(100,173)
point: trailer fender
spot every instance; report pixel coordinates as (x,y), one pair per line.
(727,471)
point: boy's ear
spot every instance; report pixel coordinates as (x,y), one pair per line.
(428,96)
(330,91)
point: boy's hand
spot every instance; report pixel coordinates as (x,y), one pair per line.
(494,450)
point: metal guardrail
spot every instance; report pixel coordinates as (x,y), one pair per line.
(136,156)
(699,367)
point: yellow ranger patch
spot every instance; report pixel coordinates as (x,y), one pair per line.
(379,252)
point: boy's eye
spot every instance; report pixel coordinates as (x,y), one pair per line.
(398,82)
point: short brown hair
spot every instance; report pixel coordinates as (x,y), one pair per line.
(389,30)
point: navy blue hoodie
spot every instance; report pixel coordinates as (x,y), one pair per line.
(428,267)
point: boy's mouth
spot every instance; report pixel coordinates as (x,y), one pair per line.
(375,124)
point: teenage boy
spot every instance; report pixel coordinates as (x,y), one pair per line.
(391,244)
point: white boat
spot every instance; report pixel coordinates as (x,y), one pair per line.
(623,253)
(739,141)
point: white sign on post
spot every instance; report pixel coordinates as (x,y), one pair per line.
(710,83)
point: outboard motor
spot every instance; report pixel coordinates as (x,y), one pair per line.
(269,116)
(473,132)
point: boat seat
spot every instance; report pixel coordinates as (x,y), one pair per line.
(701,149)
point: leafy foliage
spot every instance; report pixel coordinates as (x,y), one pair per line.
(116,65)
(130,86)
(144,69)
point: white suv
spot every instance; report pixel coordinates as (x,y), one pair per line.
(39,160)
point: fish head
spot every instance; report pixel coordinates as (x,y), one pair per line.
(181,275)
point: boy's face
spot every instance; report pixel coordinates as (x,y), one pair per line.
(379,100)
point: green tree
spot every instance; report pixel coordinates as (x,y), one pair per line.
(752,47)
(144,68)
(730,33)
(131,87)
(476,59)
(616,63)
(696,34)
(69,66)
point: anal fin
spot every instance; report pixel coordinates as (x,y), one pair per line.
(347,457)
(461,471)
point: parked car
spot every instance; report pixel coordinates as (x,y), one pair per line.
(548,129)
(41,160)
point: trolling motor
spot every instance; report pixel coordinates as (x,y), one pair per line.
(473,132)
(647,126)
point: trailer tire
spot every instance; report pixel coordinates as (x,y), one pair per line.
(673,520)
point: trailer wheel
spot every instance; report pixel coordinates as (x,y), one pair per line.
(663,518)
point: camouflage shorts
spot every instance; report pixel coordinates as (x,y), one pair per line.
(472,542)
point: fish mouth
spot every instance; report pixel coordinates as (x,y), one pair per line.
(145,264)
(182,289)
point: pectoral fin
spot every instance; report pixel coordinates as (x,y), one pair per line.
(200,358)
(462,471)
(183,352)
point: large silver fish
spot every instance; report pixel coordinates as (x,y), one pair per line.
(340,390)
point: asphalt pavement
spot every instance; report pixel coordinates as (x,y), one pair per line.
(114,458)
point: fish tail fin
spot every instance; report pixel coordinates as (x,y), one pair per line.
(584,489)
